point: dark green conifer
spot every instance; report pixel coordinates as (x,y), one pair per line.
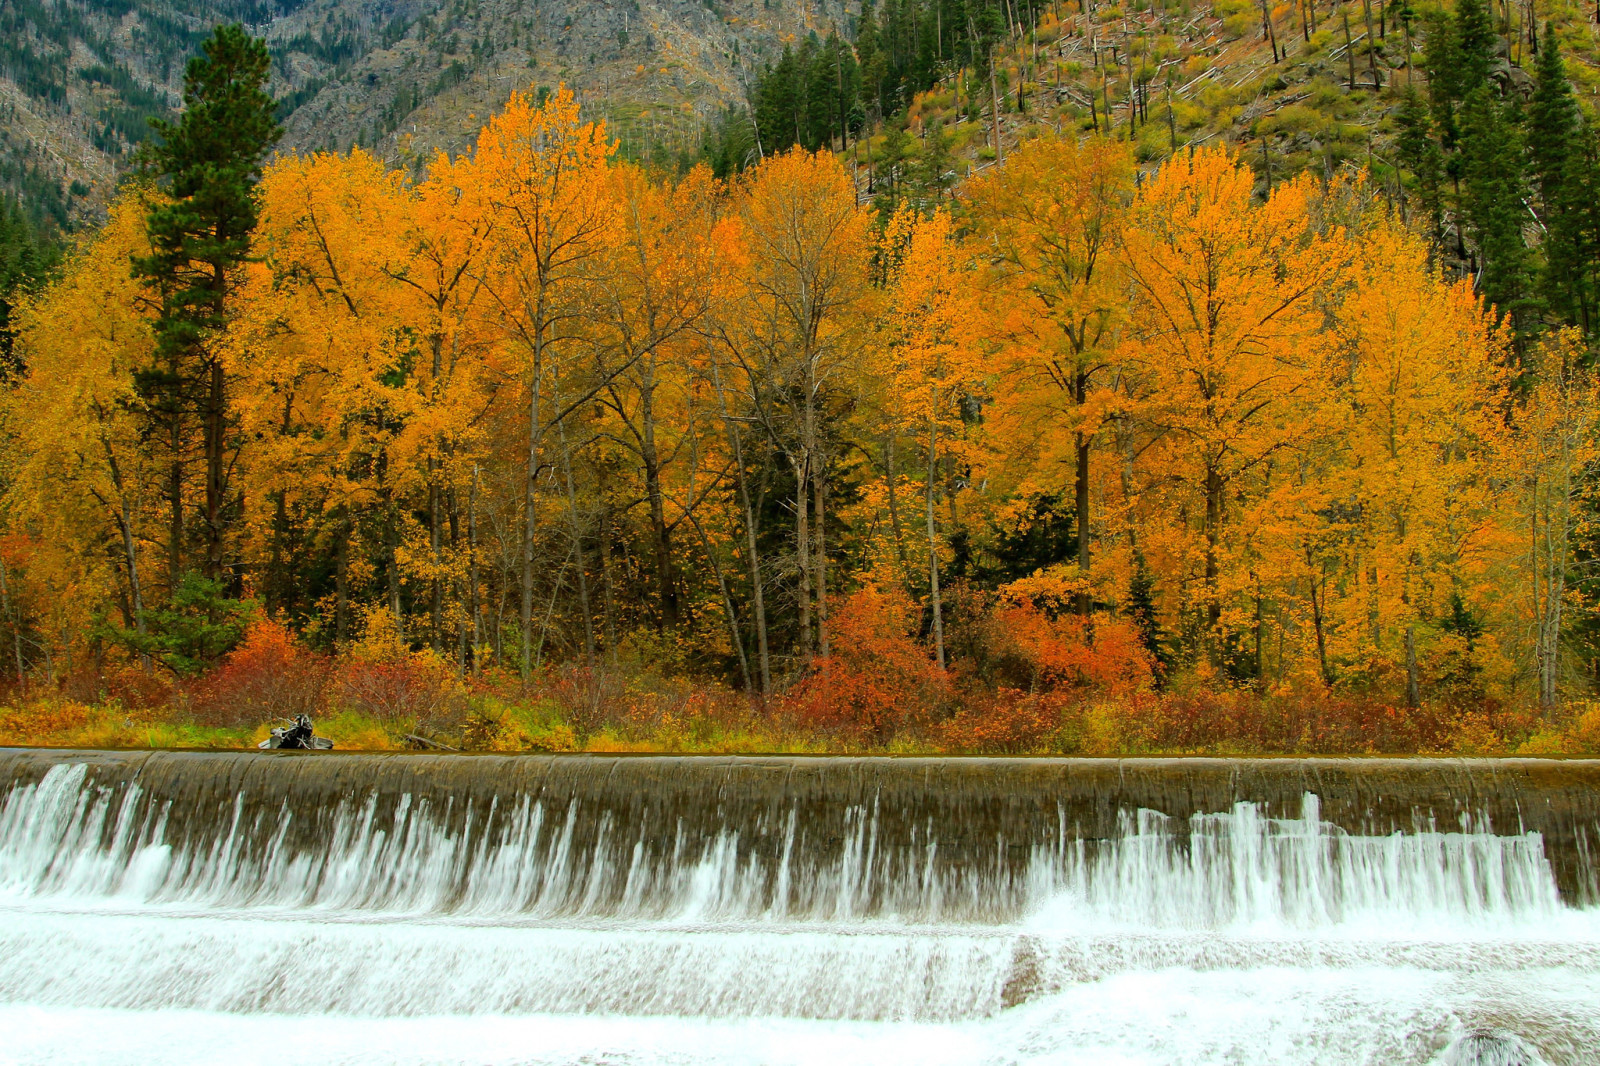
(1419,153)
(24,261)
(1493,203)
(1554,162)
(207,163)
(1474,44)
(1441,61)
(777,102)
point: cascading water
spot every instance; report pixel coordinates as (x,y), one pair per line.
(546,909)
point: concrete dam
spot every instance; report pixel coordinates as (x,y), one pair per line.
(272,907)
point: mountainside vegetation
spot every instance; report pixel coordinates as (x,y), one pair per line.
(1084,449)
(79,81)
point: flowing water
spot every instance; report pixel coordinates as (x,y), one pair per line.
(450,909)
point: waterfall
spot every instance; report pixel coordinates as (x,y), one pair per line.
(61,838)
(959,895)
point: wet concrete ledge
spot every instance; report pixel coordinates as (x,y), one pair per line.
(981,808)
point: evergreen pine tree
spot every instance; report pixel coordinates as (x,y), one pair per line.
(935,170)
(1142,609)
(1554,157)
(1420,154)
(1441,60)
(892,164)
(1457,56)
(207,163)
(869,55)
(777,101)
(24,261)
(1493,203)
(1474,46)
(821,119)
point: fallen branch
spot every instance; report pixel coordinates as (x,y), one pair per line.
(430,743)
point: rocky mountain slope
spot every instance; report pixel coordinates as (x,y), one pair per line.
(406,78)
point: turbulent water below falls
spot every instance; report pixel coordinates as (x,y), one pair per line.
(205,911)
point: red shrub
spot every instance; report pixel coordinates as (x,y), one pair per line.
(589,698)
(137,689)
(1007,722)
(879,679)
(420,689)
(269,675)
(1043,653)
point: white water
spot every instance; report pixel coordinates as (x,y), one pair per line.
(1244,939)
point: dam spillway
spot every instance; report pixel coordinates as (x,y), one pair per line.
(438,908)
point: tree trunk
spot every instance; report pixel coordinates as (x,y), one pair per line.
(994,96)
(435,543)
(753,553)
(933,548)
(894,508)
(175,516)
(216,471)
(1349,49)
(130,550)
(802,545)
(1080,487)
(341,603)
(475,605)
(577,548)
(530,499)
(1214,489)
(1372,55)
(1261,661)
(666,584)
(1413,687)
(819,490)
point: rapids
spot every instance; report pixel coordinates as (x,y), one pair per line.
(558,909)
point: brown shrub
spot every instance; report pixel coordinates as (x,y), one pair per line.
(589,699)
(420,691)
(1007,722)
(138,689)
(269,675)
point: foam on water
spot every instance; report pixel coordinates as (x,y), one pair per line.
(400,929)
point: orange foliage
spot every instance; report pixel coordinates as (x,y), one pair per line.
(1008,721)
(1070,652)
(879,680)
(269,675)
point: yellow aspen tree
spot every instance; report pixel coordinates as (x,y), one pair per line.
(1419,374)
(930,345)
(444,236)
(1051,219)
(804,289)
(646,308)
(1553,456)
(541,173)
(83,480)
(1225,325)
(321,347)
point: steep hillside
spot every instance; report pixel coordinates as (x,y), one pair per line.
(79,78)
(1318,87)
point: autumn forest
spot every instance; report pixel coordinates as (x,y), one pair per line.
(538,448)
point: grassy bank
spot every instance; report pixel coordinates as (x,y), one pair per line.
(1047,693)
(724,723)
